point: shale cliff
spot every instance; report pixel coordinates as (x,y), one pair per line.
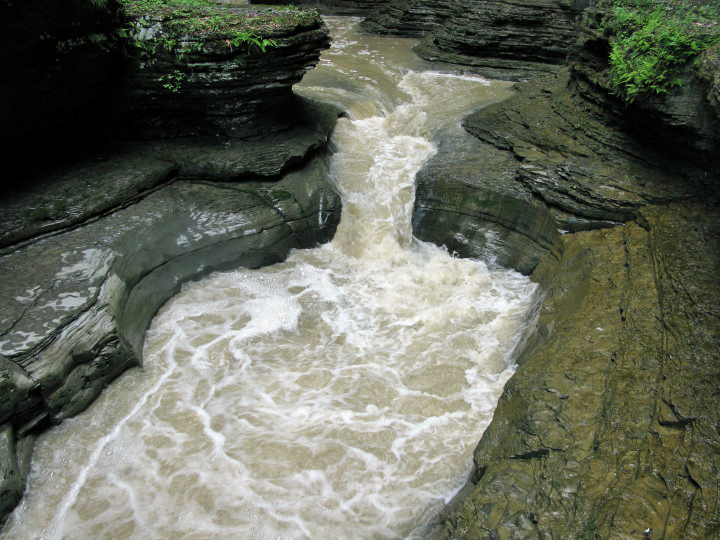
(607,429)
(509,39)
(226,73)
(92,245)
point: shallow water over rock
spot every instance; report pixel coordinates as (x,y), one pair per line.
(336,395)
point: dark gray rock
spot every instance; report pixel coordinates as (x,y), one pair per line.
(409,18)
(207,86)
(333,7)
(78,292)
(512,39)
(468,200)
(121,176)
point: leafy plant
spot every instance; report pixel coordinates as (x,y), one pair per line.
(173,81)
(652,42)
(251,39)
(158,28)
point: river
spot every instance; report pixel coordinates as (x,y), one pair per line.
(336,395)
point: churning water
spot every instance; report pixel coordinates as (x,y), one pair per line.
(336,395)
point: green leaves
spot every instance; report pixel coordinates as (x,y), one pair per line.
(252,40)
(173,81)
(652,43)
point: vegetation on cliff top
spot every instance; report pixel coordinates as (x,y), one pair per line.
(653,41)
(202,18)
(176,29)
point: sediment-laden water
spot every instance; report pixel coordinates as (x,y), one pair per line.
(336,395)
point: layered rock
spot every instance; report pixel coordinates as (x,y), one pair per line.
(410,18)
(686,118)
(78,298)
(551,163)
(90,251)
(232,80)
(607,428)
(333,7)
(508,39)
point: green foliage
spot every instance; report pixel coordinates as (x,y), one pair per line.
(251,40)
(173,81)
(178,28)
(653,42)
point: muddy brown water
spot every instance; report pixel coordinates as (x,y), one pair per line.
(336,395)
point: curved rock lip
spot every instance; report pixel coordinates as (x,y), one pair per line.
(91,254)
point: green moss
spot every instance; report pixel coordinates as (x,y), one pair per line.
(652,42)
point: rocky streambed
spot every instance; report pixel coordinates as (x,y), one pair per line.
(609,426)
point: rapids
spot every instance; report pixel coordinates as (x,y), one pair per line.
(336,395)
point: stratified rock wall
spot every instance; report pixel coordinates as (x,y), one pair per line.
(333,7)
(217,88)
(687,119)
(410,18)
(79,291)
(525,36)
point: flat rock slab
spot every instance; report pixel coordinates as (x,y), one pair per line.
(109,180)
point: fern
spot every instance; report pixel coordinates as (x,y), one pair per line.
(653,43)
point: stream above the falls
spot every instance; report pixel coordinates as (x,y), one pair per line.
(336,395)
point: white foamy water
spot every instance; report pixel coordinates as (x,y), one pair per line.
(336,395)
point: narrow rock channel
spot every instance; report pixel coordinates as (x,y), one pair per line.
(338,394)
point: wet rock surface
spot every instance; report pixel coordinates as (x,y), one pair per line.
(608,428)
(512,39)
(100,247)
(333,7)
(408,18)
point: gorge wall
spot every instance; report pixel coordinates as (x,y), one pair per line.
(607,428)
(93,243)
(506,39)
(609,425)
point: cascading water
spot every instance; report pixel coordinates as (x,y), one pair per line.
(336,395)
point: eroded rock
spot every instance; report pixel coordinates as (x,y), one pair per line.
(606,429)
(126,232)
(226,82)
